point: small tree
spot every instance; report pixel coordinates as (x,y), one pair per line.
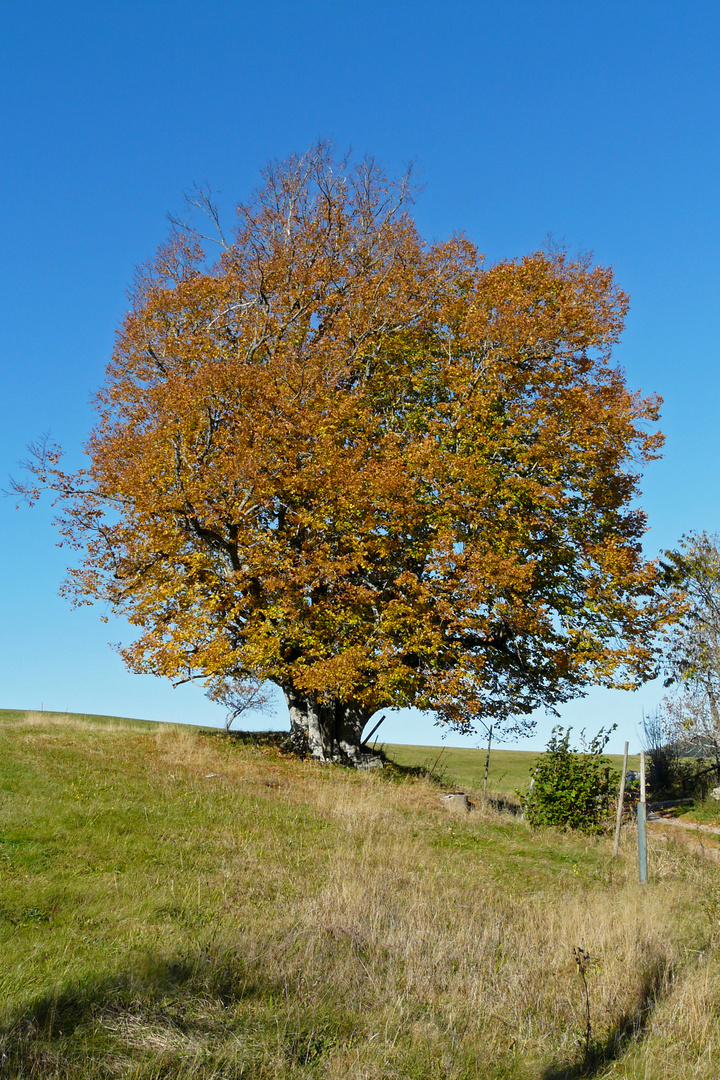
(669,770)
(239,696)
(690,713)
(571,788)
(521,726)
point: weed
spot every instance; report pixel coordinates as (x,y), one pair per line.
(582,963)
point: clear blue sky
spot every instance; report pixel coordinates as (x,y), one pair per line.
(596,122)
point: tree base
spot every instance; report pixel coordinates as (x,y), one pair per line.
(329,732)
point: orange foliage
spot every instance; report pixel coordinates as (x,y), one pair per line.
(368,468)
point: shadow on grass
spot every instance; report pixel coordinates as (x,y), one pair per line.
(505,804)
(174,1007)
(285,744)
(400,772)
(629,1028)
(278,741)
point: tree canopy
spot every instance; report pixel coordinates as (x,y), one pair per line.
(366,467)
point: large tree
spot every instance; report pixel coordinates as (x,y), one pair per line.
(367,468)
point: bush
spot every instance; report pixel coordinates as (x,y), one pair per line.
(569,788)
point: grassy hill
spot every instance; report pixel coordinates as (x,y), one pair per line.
(179,903)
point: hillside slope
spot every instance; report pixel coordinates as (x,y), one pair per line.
(179,903)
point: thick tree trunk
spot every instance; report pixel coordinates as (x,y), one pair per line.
(331,730)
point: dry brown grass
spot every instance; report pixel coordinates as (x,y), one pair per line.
(65,721)
(440,951)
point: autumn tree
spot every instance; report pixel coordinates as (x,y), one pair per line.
(367,468)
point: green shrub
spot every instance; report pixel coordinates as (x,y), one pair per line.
(571,789)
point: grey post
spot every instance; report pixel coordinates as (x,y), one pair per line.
(642,828)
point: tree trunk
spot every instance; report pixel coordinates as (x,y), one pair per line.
(329,730)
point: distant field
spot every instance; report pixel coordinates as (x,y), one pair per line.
(461,767)
(49,716)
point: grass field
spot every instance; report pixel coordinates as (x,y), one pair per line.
(178,903)
(465,768)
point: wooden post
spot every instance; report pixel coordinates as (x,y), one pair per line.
(369,737)
(487,760)
(642,825)
(621,796)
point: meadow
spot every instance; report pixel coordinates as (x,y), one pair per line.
(183,903)
(464,767)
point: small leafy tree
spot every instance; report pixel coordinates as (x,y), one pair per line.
(571,788)
(239,696)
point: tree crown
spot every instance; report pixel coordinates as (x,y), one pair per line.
(368,467)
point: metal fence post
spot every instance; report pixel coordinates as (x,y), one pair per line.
(642,825)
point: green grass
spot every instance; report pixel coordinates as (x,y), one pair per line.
(462,767)
(179,903)
(704,811)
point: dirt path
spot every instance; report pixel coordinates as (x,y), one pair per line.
(691,825)
(691,834)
